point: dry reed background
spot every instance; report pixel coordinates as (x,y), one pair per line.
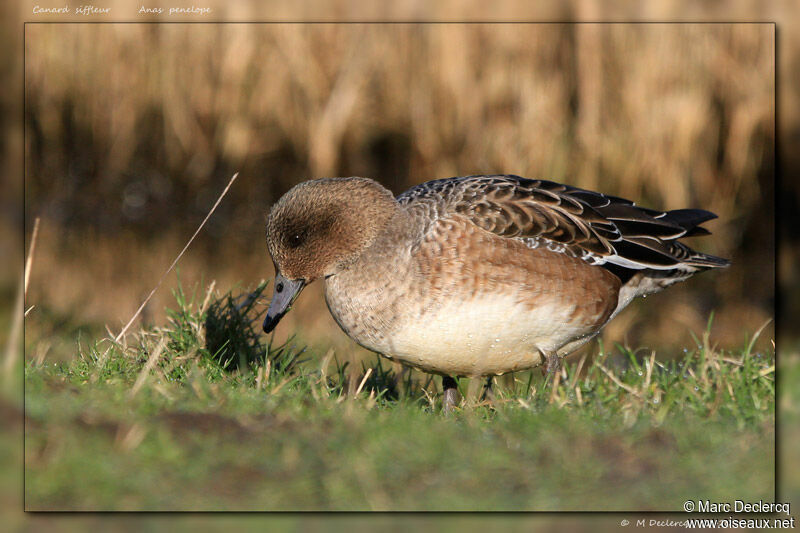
(132,131)
(129,142)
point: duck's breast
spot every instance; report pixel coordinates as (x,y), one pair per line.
(467,302)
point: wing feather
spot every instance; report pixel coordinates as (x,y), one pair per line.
(599,228)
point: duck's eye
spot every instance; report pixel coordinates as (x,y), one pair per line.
(279,287)
(295,240)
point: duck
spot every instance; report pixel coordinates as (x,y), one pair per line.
(474,276)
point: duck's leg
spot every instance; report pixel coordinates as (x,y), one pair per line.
(450,394)
(553,362)
(553,373)
(488,393)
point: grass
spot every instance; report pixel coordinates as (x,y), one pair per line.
(205,413)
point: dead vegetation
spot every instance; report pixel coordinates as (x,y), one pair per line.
(128,143)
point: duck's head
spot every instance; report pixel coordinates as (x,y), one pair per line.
(319,228)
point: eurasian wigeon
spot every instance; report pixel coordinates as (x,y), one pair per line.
(478,275)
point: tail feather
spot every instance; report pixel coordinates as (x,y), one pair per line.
(689,219)
(695,260)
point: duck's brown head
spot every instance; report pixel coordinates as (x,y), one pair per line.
(318,228)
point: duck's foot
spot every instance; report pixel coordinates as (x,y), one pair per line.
(450,395)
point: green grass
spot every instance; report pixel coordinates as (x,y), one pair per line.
(206,413)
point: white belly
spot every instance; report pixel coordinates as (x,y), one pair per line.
(492,334)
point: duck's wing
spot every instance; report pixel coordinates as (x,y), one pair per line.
(601,229)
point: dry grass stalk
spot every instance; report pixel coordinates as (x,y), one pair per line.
(12,353)
(323,367)
(578,369)
(363,381)
(151,361)
(31,249)
(767,371)
(207,299)
(616,380)
(175,262)
(259,378)
(554,386)
(649,364)
(268,371)
(129,438)
(755,337)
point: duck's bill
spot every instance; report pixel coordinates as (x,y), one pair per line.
(285,291)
